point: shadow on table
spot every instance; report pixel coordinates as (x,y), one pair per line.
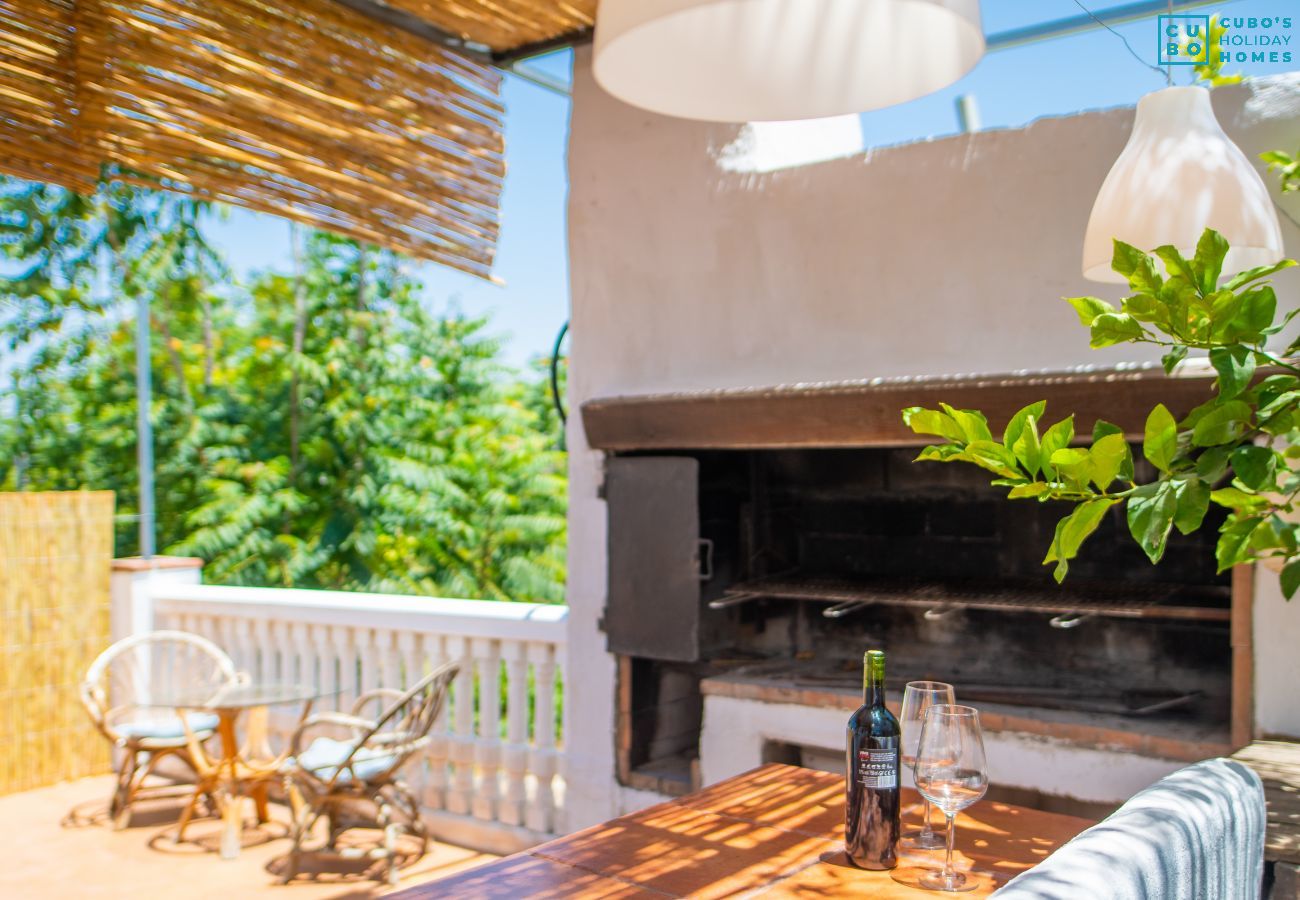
(776,831)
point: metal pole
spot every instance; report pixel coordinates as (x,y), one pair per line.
(143,427)
(538,78)
(968,113)
(20,460)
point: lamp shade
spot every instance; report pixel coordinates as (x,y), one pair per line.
(775,60)
(1178,175)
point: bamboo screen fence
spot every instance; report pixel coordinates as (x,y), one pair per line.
(304,109)
(56,550)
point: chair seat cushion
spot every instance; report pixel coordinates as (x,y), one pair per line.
(167,726)
(324,755)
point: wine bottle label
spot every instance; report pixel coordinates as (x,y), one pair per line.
(878,768)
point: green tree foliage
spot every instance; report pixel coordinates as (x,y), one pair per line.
(1236,450)
(317,427)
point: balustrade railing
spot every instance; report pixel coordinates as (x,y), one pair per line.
(492,775)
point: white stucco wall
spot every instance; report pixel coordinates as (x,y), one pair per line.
(1277,659)
(735,731)
(948,256)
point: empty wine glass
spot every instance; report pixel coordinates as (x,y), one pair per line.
(951,773)
(918,697)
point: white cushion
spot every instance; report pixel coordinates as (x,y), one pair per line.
(167,726)
(324,755)
(1198,833)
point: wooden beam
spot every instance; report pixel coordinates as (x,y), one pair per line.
(381,12)
(414,25)
(868,413)
(537,48)
(623,721)
(1243,655)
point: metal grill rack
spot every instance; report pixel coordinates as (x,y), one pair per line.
(1069,605)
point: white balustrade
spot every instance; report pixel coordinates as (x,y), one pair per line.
(494,758)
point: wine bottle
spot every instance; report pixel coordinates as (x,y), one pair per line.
(873,806)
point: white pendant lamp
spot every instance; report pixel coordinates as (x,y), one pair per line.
(777,60)
(1178,175)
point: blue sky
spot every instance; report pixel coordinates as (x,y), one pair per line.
(1012,87)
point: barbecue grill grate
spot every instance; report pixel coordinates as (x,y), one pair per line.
(1070,604)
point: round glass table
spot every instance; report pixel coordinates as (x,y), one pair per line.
(240,770)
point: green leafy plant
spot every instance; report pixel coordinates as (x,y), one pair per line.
(1211,71)
(1236,450)
(1286,166)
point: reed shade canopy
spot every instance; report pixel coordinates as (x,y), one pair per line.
(777,60)
(300,108)
(1178,174)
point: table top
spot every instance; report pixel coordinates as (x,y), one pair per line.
(777,831)
(1277,763)
(231,696)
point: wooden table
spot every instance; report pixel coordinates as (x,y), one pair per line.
(1277,763)
(777,831)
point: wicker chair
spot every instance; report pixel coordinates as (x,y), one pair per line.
(354,782)
(117,691)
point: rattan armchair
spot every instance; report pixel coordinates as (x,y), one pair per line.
(120,690)
(354,782)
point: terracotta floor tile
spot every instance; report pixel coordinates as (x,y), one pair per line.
(86,860)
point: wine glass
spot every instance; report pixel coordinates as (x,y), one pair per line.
(951,773)
(919,696)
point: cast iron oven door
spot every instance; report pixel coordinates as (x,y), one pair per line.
(653,606)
